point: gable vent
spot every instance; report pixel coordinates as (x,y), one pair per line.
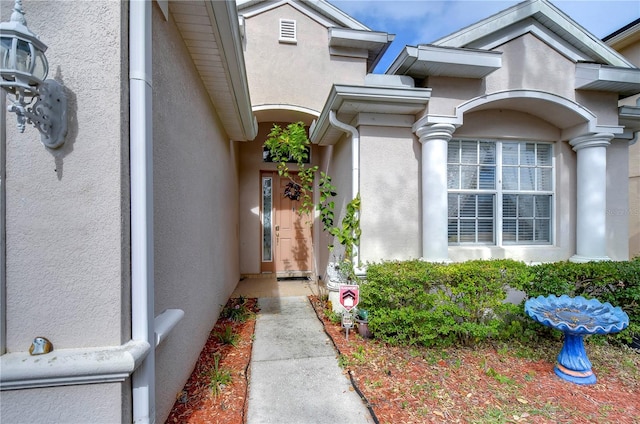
(288,31)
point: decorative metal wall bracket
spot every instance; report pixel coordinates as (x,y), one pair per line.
(48,114)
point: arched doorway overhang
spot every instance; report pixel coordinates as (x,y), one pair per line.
(572,118)
(285,113)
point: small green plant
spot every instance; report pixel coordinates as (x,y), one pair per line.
(503,379)
(236,310)
(291,144)
(334,317)
(343,361)
(218,377)
(227,336)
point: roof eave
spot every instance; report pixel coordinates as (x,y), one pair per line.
(375,43)
(351,100)
(224,20)
(430,60)
(624,81)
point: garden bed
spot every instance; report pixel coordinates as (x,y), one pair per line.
(198,402)
(490,383)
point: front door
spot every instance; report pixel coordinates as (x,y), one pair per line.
(286,234)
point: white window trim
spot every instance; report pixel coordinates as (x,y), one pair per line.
(498,194)
(288,31)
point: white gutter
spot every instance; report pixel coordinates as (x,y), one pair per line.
(141,150)
(355,169)
(3,250)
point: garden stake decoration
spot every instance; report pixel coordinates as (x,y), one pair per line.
(576,317)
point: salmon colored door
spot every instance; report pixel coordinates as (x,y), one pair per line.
(291,252)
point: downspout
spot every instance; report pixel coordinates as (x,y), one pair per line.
(3,239)
(141,149)
(355,170)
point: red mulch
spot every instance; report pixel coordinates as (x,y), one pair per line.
(484,384)
(196,404)
(488,384)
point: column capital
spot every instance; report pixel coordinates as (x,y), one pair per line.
(428,132)
(591,140)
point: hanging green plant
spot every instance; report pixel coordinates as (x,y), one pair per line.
(291,144)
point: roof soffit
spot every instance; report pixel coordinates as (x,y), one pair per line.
(625,36)
(545,21)
(428,60)
(374,42)
(211,34)
(624,81)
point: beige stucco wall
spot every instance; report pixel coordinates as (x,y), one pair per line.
(632,53)
(340,168)
(294,74)
(390,190)
(67,236)
(196,210)
(618,216)
(96,403)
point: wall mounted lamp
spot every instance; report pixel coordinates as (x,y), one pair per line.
(24,67)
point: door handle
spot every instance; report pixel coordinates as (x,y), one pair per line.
(277,228)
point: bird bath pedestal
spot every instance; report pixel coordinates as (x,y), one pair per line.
(576,317)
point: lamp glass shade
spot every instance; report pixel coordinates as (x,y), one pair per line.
(24,57)
(40,65)
(5,52)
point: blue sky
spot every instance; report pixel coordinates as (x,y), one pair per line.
(424,21)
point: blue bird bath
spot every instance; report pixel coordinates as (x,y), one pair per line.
(576,317)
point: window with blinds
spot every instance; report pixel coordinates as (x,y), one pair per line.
(499,192)
(288,31)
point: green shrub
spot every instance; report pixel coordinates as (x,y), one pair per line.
(416,302)
(421,303)
(615,282)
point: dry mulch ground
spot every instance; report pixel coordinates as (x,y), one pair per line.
(205,402)
(485,384)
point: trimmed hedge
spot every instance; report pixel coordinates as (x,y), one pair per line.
(422,303)
(428,304)
(615,282)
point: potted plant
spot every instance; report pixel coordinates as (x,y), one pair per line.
(362,320)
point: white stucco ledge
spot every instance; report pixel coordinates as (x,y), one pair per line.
(64,367)
(165,322)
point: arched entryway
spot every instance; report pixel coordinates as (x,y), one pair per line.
(275,237)
(574,191)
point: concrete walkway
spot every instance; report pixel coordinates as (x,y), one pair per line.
(295,377)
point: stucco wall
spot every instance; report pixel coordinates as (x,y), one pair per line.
(632,53)
(529,63)
(390,190)
(66,258)
(95,403)
(67,236)
(294,74)
(196,210)
(618,215)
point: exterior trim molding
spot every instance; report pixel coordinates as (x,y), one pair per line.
(429,60)
(350,100)
(549,16)
(64,367)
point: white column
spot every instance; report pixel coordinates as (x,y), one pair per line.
(591,213)
(434,139)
